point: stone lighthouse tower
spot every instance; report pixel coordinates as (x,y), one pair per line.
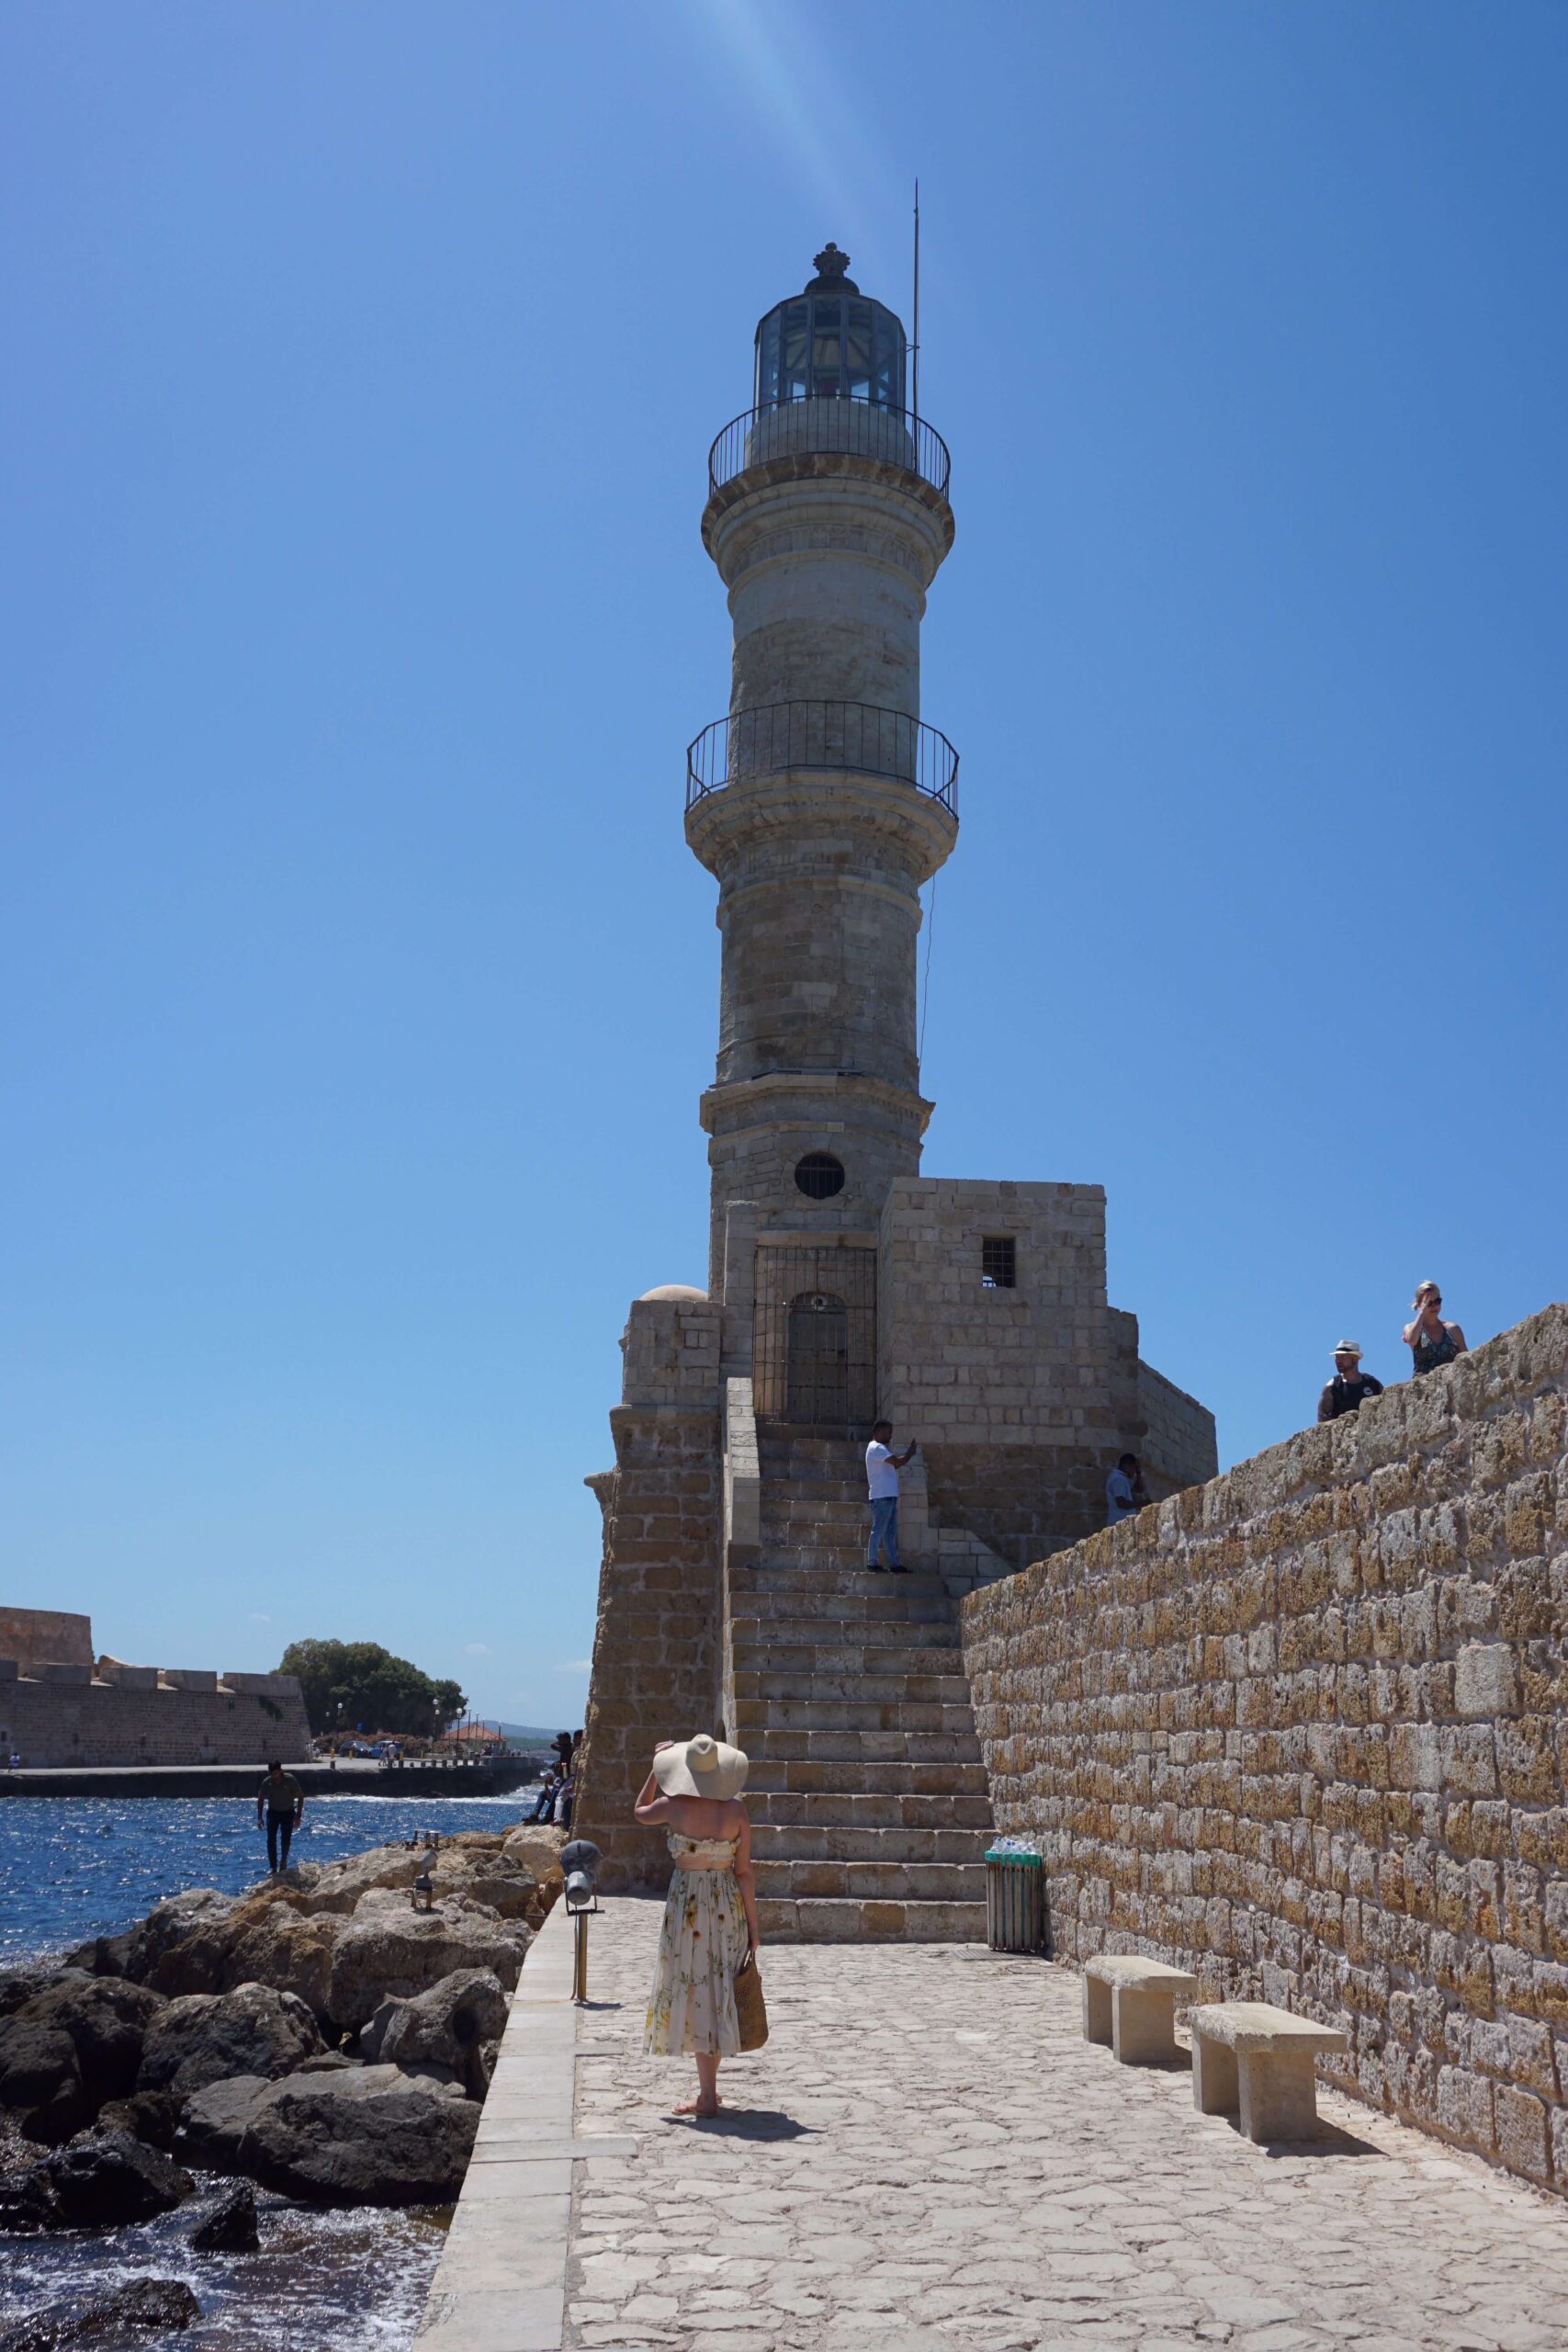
(842,1284)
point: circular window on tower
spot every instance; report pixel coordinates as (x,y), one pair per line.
(819,1175)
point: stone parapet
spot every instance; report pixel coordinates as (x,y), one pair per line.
(1304,1730)
(84,1722)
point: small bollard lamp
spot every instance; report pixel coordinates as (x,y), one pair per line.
(579,1866)
(424,1890)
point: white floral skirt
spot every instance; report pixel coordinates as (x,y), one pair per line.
(700,1944)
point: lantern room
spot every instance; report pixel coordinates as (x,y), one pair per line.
(830,344)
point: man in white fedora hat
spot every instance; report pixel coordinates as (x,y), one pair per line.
(1350,1387)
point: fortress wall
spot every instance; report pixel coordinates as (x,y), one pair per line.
(34,1635)
(101,1723)
(1177,1447)
(1304,1730)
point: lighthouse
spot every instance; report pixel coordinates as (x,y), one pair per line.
(843,1284)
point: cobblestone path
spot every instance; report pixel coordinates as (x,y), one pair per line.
(926,2155)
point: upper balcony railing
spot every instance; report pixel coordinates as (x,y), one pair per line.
(835,735)
(893,436)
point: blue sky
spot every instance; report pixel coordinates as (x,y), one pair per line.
(359,987)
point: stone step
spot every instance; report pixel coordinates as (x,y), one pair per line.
(886,1602)
(885,1882)
(848,1581)
(789,1629)
(814,1809)
(782,1653)
(882,1778)
(864,1742)
(795,1841)
(814,1686)
(863,1716)
(787,1921)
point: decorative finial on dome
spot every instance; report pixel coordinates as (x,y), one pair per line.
(831,262)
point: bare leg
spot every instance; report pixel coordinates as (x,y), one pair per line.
(706,2100)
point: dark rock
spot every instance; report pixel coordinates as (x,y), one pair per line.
(106,2179)
(156,1954)
(231,2227)
(101,1955)
(216,2120)
(39,2067)
(20,1985)
(369,2135)
(147,2306)
(152,2116)
(443,2032)
(105,2019)
(28,2204)
(205,2037)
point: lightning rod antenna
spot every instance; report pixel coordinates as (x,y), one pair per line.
(915,349)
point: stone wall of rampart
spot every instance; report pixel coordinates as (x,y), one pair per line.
(1305,1729)
(85,1722)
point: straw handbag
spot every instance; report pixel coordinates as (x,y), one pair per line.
(751,2009)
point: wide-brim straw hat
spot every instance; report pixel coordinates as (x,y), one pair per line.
(703,1767)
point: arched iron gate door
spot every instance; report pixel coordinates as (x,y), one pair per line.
(815,1353)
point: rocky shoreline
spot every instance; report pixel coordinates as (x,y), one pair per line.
(324,2037)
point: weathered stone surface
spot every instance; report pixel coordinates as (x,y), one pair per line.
(1301,1731)
(39,2069)
(231,2227)
(271,1943)
(388,1949)
(370,2136)
(151,2115)
(204,2037)
(157,1954)
(146,2307)
(444,2032)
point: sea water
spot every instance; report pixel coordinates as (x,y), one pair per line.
(75,1867)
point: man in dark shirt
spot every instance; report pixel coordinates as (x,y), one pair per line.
(1350,1387)
(282,1800)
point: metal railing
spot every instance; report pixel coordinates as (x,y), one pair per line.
(781,735)
(893,436)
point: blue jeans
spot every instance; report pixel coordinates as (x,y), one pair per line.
(884,1530)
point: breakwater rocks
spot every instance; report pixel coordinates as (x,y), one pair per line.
(324,2035)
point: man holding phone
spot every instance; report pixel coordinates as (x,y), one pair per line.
(882,1468)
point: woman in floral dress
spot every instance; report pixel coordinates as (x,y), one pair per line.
(710,1914)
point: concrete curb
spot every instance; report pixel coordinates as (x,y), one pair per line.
(501,2283)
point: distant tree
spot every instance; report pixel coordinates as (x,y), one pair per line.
(359,1685)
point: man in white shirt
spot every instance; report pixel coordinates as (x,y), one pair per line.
(882,1468)
(1124,1491)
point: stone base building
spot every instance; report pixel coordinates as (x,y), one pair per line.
(60,1706)
(843,1286)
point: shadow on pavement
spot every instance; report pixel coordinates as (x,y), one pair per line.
(749,2123)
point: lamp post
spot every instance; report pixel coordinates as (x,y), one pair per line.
(579,1865)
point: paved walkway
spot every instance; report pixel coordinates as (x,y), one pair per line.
(927,2155)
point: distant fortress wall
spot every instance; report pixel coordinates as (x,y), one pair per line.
(58,1707)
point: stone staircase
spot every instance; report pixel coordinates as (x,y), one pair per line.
(867,1794)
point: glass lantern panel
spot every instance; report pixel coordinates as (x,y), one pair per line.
(794,351)
(858,347)
(768,361)
(889,359)
(827,367)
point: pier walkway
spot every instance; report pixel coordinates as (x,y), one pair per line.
(928,2156)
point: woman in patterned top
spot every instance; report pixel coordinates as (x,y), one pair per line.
(1429,1339)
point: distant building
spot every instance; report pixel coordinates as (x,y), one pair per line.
(58,1705)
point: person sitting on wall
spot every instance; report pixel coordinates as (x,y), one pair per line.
(1430,1340)
(545,1803)
(282,1800)
(882,1468)
(1126,1494)
(1350,1387)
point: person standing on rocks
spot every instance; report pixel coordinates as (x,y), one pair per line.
(882,1468)
(282,1800)
(1430,1340)
(1350,1387)
(710,1914)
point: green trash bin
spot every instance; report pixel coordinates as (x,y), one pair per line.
(1015,1901)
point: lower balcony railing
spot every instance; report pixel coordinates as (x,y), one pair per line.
(832,735)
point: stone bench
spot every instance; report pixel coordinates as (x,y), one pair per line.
(1130,2003)
(1250,2057)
